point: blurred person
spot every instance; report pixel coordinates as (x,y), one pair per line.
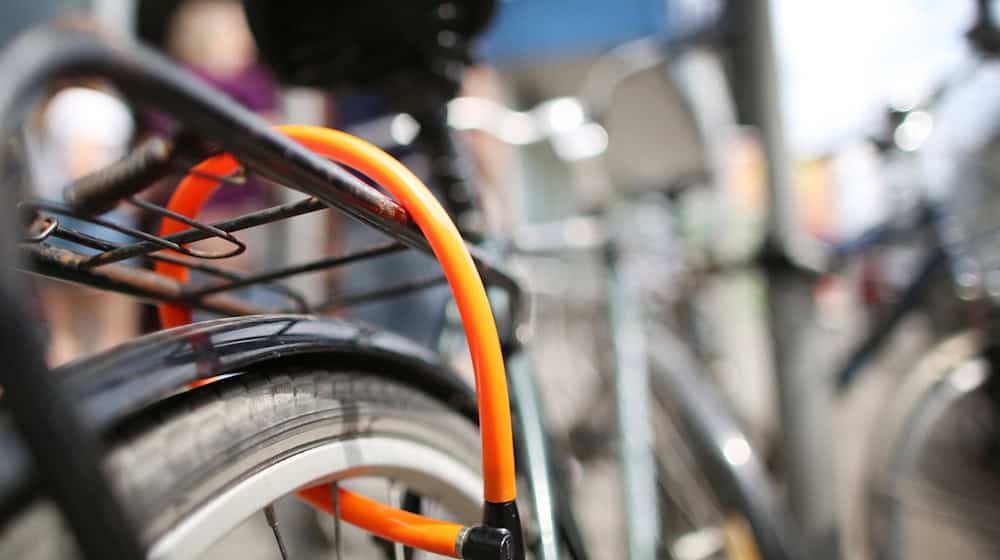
(211,39)
(79,130)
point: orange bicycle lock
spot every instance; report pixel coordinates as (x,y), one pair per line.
(499,478)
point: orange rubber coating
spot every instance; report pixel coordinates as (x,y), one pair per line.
(466,287)
(448,247)
(396,525)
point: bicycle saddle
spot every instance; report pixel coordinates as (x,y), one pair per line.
(363,42)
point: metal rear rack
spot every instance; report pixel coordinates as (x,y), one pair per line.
(112,266)
(150,83)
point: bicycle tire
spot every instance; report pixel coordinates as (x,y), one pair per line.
(172,460)
(932,477)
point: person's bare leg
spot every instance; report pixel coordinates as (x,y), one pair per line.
(113,320)
(58,307)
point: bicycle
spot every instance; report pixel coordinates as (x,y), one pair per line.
(931,470)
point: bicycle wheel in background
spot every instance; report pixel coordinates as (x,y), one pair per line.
(716,498)
(194,468)
(934,472)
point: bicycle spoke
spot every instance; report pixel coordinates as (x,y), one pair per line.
(272,521)
(395,498)
(335,494)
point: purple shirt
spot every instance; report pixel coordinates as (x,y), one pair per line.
(254,88)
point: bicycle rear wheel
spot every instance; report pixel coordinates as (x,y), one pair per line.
(198,465)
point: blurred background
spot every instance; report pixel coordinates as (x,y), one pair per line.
(780,179)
